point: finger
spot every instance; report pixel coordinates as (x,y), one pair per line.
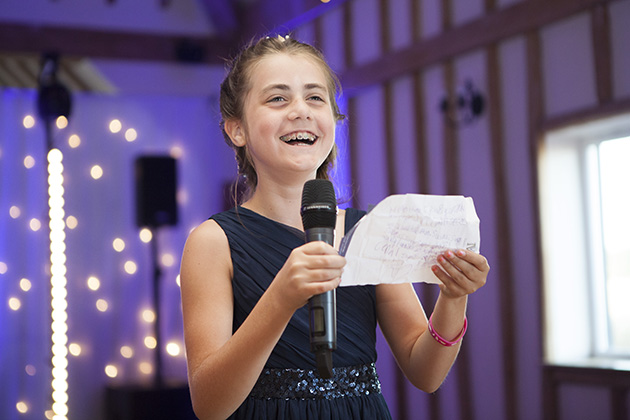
(317,288)
(318,247)
(477,260)
(324,274)
(455,259)
(456,279)
(315,262)
(448,262)
(447,282)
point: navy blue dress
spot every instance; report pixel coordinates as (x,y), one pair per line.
(290,387)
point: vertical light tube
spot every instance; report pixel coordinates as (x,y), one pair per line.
(58,282)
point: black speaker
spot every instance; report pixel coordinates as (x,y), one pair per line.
(156,191)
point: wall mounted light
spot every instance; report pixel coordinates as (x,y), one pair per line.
(467,105)
(54,103)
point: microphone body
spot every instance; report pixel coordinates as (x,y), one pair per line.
(323,307)
(319,216)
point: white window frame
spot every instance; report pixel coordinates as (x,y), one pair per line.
(575,306)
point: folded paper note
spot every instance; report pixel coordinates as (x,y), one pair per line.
(401,237)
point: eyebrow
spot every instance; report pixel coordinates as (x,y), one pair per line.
(286,88)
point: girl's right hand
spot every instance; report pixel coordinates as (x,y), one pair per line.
(311,269)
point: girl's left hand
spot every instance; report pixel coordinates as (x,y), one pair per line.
(461,272)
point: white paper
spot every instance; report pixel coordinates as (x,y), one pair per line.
(400,239)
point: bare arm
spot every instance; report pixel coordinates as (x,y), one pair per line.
(423,360)
(223,368)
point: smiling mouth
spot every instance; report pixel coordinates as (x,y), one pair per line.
(302,137)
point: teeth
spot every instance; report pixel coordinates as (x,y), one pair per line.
(302,135)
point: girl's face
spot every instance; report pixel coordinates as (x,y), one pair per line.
(288,124)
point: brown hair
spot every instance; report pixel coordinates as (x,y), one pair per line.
(236,85)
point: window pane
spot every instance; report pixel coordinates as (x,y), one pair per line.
(615,201)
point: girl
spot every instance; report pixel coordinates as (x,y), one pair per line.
(247,273)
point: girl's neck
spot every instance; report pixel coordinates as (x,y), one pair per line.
(279,203)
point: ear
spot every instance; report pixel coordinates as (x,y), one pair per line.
(235,130)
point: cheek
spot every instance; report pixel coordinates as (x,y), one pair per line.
(262,126)
(266,126)
(330,127)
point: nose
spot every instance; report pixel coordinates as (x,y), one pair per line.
(299,110)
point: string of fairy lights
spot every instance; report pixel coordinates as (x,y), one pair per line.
(58,283)
(60,224)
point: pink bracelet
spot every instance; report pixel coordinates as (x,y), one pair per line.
(441,340)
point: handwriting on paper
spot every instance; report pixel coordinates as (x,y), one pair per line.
(400,239)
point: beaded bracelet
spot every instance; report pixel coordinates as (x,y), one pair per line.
(441,340)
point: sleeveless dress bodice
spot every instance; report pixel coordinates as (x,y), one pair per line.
(259,248)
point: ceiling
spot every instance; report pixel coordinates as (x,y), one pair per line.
(176,33)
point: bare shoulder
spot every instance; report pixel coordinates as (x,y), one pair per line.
(206,253)
(209,232)
(207,236)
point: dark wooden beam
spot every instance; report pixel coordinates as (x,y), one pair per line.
(505,267)
(598,376)
(600,22)
(590,113)
(492,28)
(80,42)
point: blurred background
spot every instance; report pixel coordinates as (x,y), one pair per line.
(523,105)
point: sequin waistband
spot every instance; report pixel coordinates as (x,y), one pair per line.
(352,381)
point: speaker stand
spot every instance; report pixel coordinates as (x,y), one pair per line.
(157,274)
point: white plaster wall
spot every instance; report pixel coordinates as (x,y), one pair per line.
(368,125)
(366,27)
(466,10)
(567,60)
(400,23)
(431,17)
(404,128)
(434,91)
(332,44)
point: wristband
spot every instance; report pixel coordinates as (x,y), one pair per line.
(441,340)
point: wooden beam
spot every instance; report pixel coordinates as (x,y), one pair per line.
(598,376)
(602,51)
(535,115)
(587,114)
(79,42)
(492,28)
(503,233)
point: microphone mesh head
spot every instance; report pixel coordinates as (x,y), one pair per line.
(319,204)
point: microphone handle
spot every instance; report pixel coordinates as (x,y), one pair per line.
(323,313)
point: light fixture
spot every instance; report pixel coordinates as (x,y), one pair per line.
(58,283)
(466,107)
(54,102)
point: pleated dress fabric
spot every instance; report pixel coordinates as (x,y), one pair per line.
(290,387)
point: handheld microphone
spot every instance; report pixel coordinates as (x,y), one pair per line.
(319,216)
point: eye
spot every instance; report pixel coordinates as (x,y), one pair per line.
(276,99)
(316,98)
